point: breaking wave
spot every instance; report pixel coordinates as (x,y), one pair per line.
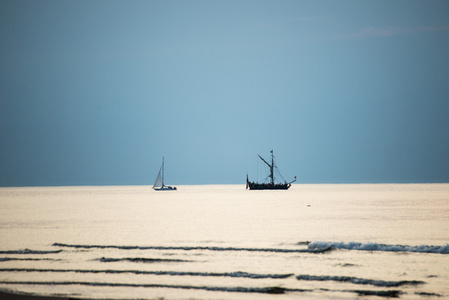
(169,273)
(356,280)
(187,248)
(316,246)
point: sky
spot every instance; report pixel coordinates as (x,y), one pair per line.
(97,92)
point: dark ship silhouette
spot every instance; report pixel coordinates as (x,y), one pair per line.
(270,185)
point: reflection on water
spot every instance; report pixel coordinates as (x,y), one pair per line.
(215,242)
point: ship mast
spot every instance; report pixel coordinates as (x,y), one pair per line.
(271,166)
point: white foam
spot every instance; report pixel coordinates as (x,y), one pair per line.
(379,247)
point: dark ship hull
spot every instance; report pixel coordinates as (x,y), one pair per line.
(268,186)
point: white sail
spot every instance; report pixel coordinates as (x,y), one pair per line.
(159,183)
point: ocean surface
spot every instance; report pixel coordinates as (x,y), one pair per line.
(360,241)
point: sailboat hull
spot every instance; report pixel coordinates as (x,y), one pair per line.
(165,188)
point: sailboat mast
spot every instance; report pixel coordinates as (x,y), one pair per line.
(162,171)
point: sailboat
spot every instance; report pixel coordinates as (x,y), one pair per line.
(270,185)
(159,183)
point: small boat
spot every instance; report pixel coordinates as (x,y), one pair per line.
(271,185)
(159,183)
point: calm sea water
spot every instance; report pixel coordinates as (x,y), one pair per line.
(225,242)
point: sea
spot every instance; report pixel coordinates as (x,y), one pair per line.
(313,241)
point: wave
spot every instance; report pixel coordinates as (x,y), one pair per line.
(316,246)
(140,259)
(262,290)
(3,259)
(28,251)
(391,293)
(170,273)
(237,289)
(428,294)
(355,280)
(187,248)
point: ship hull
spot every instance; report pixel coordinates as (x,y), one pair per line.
(165,188)
(268,186)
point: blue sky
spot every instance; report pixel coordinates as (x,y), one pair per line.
(96,92)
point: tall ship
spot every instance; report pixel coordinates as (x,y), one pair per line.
(271,185)
(159,184)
